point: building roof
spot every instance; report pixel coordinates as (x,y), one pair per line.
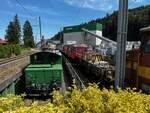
(78,28)
(145,29)
(3,41)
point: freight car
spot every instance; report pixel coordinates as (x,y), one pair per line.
(43,73)
(93,64)
(74,50)
(137,63)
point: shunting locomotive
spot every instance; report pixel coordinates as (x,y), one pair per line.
(43,73)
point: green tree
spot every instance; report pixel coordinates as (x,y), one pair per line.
(138,18)
(10,33)
(28,35)
(13,32)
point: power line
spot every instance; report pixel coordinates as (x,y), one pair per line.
(19,3)
(25,9)
(78,11)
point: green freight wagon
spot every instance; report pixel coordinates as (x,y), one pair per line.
(43,74)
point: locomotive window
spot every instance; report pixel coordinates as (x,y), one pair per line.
(35,57)
(147,47)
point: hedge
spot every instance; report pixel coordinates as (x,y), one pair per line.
(90,100)
(9,50)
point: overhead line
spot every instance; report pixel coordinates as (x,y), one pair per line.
(78,11)
(18,2)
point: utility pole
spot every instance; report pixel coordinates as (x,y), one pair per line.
(61,37)
(121,43)
(40,29)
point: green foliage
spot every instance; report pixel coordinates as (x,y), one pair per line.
(58,36)
(28,35)
(5,51)
(17,49)
(25,50)
(8,50)
(2,51)
(13,31)
(137,18)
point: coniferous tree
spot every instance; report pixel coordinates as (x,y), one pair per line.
(137,18)
(28,35)
(17,29)
(10,33)
(13,32)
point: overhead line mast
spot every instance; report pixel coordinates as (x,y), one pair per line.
(41,40)
(121,43)
(40,27)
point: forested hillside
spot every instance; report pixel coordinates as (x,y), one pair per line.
(138,18)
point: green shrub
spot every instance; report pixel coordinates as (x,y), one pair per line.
(17,49)
(2,51)
(8,50)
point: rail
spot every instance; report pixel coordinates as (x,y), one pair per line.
(75,75)
(11,59)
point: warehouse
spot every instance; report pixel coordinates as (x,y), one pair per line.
(75,35)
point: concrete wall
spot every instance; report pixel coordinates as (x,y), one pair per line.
(82,37)
(74,37)
(16,87)
(98,41)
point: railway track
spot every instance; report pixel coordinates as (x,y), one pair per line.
(12,59)
(75,75)
(8,60)
(80,78)
(11,69)
(82,75)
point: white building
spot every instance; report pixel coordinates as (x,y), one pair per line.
(75,35)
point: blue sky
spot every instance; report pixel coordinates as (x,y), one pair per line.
(56,14)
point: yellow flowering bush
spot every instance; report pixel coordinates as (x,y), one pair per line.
(10,103)
(90,100)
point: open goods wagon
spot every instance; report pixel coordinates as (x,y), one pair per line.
(94,66)
(43,73)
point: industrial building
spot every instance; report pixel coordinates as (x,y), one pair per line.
(75,34)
